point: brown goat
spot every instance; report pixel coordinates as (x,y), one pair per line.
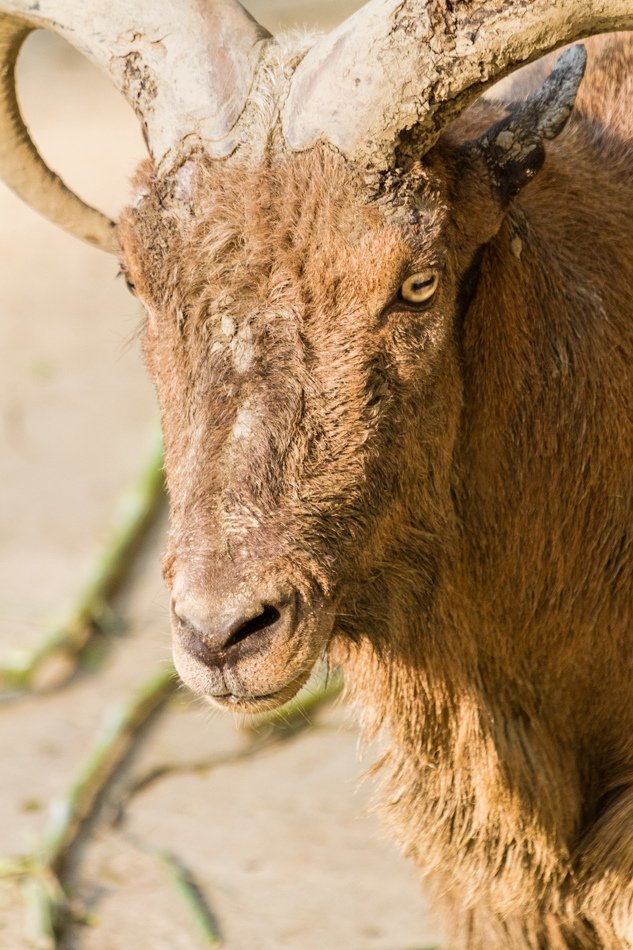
(394,373)
(455,483)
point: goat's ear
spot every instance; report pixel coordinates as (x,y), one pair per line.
(513,148)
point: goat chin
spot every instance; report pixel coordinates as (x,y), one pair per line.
(259,704)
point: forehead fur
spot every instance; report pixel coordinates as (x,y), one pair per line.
(304,216)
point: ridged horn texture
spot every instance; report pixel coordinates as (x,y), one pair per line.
(186,68)
(396,65)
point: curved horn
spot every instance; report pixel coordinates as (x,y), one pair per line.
(394,65)
(186,68)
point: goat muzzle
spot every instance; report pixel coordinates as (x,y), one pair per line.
(244,644)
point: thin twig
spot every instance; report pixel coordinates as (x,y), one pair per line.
(47,902)
(267,730)
(193,898)
(57,658)
(120,733)
(45,905)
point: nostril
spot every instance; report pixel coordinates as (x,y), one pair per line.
(267,617)
(218,632)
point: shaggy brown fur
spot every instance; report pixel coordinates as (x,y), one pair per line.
(453,486)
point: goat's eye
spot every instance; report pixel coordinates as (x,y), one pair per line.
(419,288)
(128,283)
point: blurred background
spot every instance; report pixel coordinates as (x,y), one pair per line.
(281,843)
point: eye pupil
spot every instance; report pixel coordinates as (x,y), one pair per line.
(418,289)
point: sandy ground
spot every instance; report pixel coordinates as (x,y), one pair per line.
(282,844)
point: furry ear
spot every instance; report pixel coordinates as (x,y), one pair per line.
(513,148)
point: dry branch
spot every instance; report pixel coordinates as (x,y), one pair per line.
(192,897)
(48,906)
(57,658)
(120,734)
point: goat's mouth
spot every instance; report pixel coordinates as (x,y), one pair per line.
(260,671)
(260,703)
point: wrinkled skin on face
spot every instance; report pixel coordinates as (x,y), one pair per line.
(309,414)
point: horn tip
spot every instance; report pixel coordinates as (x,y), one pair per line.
(573,61)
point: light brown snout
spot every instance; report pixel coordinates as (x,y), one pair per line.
(245,643)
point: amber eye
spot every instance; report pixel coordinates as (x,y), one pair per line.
(419,288)
(128,282)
